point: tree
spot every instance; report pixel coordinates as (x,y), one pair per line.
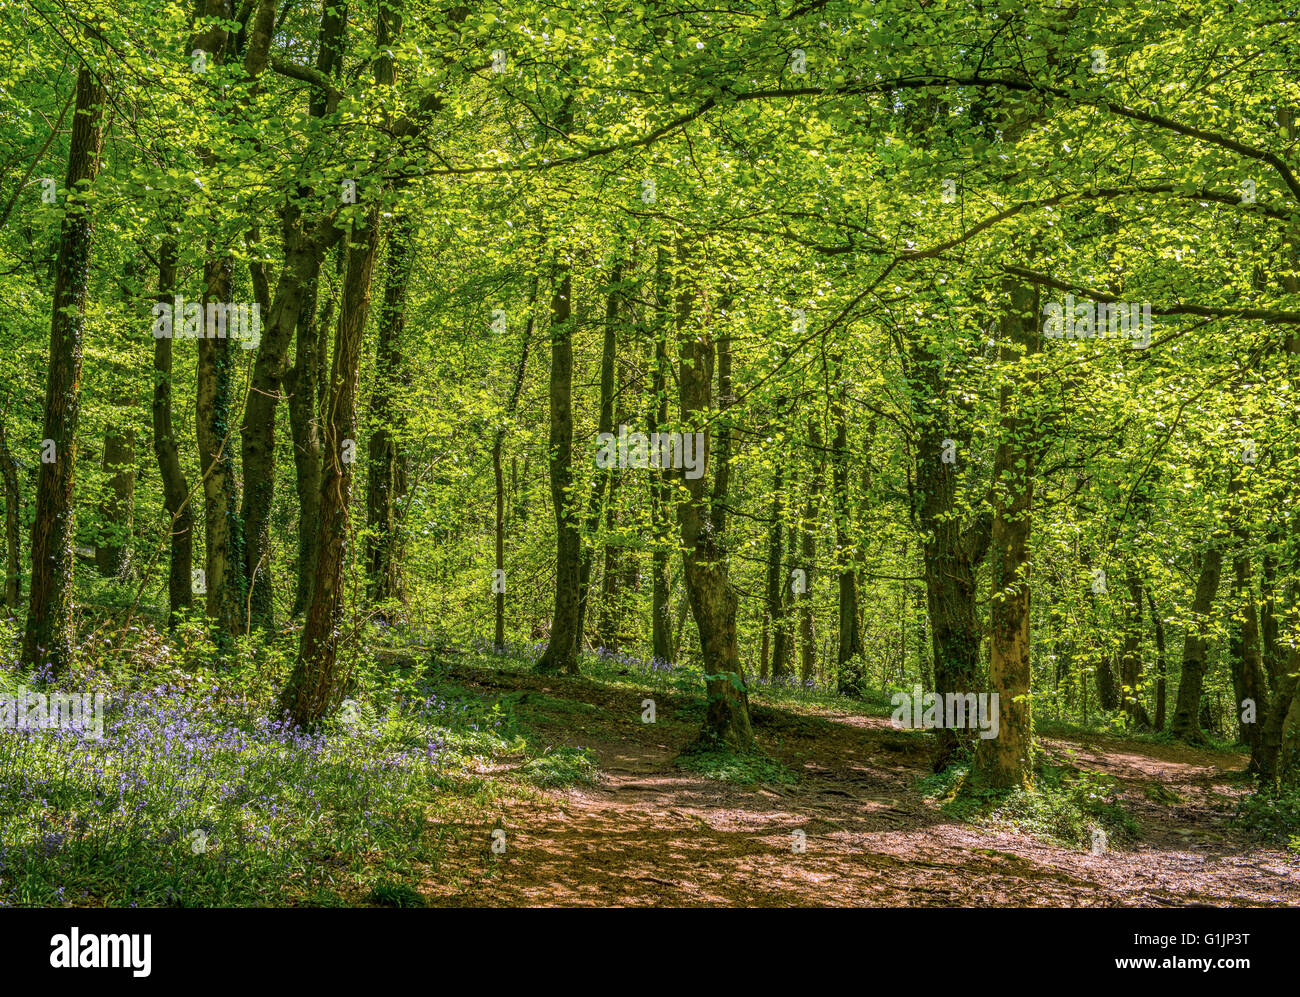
(50,637)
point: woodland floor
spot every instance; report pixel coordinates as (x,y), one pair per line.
(647,833)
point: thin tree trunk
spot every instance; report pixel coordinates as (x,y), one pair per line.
(49,637)
(1131,661)
(1158,625)
(387,464)
(13,551)
(776,578)
(499,629)
(176,491)
(808,556)
(849,657)
(601,483)
(662,643)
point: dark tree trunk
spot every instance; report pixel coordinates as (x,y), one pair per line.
(308,456)
(13,551)
(49,637)
(660,485)
(215,406)
(315,685)
(304,251)
(808,556)
(850,677)
(387,463)
(1131,660)
(1185,725)
(499,629)
(176,491)
(116,512)
(317,681)
(1268,621)
(1108,692)
(1158,626)
(117,508)
(1246,653)
(776,578)
(304,382)
(601,483)
(561,654)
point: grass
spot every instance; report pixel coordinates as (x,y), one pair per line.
(564,766)
(743,769)
(1064,805)
(1274,816)
(390,893)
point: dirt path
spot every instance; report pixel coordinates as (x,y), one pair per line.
(650,834)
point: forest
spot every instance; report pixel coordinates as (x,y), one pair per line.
(558,453)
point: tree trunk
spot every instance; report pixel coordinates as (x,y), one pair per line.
(703,524)
(601,483)
(1108,691)
(1288,761)
(215,405)
(1185,724)
(660,485)
(1004,761)
(49,637)
(304,382)
(117,508)
(304,251)
(561,654)
(776,577)
(808,556)
(1158,625)
(387,464)
(176,491)
(1246,652)
(308,455)
(1131,660)
(13,551)
(499,629)
(1268,621)
(850,680)
(316,683)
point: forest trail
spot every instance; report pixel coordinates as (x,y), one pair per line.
(650,834)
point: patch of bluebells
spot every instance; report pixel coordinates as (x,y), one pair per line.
(788,682)
(519,650)
(174,759)
(656,664)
